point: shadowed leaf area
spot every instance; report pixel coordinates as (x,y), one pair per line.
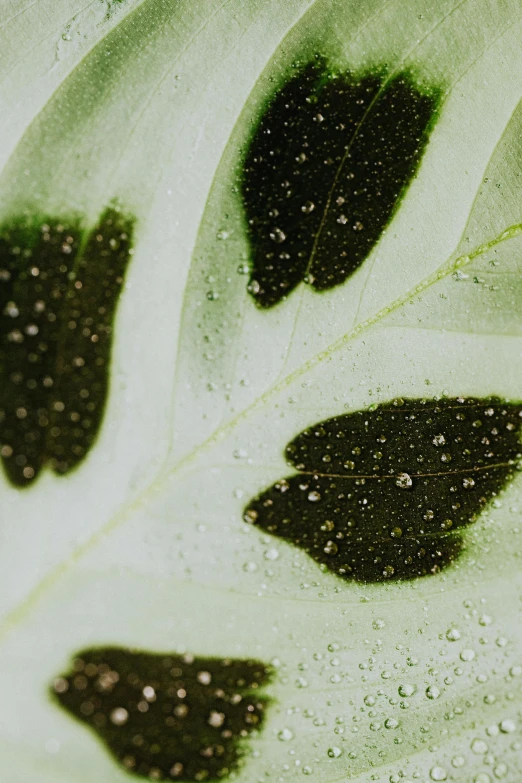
(167,716)
(324,173)
(59,287)
(382,494)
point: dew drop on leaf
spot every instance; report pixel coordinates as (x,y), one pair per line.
(452,635)
(404,481)
(334,752)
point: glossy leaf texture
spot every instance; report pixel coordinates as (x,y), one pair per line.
(324,173)
(166,717)
(383,494)
(59,288)
(144,550)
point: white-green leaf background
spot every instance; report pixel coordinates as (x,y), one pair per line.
(152,103)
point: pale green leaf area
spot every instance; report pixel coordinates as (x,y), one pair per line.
(151,104)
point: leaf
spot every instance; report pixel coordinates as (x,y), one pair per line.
(324,173)
(58,296)
(383,494)
(144,547)
(166,716)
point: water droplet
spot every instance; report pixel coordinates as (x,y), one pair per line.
(216,719)
(285,735)
(438,773)
(119,716)
(278,236)
(460,275)
(334,752)
(452,635)
(406,689)
(331,548)
(458,761)
(403,480)
(508,726)
(149,693)
(432,692)
(467,655)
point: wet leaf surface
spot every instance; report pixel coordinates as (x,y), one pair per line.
(167,717)
(324,173)
(59,289)
(384,494)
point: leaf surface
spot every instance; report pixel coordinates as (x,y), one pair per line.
(324,173)
(144,546)
(383,494)
(166,716)
(58,298)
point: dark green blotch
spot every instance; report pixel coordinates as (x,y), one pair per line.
(59,288)
(384,494)
(167,717)
(324,172)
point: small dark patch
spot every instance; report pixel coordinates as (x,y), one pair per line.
(324,173)
(59,288)
(382,494)
(167,717)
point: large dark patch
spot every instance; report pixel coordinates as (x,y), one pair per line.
(59,287)
(324,172)
(167,717)
(383,494)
